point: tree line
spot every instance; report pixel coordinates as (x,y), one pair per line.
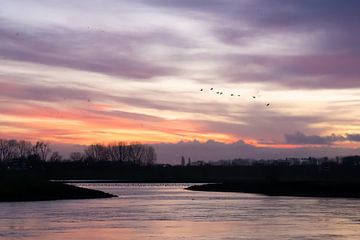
(15,151)
(136,153)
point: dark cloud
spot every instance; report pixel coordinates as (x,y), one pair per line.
(329,16)
(258,122)
(19,91)
(300,138)
(328,60)
(306,71)
(12,88)
(353,137)
(111,53)
(331,30)
(212,151)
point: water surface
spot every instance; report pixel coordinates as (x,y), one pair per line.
(166,211)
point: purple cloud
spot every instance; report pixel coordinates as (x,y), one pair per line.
(330,54)
(212,151)
(111,53)
(300,138)
(353,137)
(307,71)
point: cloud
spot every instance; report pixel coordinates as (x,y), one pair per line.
(141,64)
(302,139)
(297,44)
(257,122)
(212,151)
(297,71)
(112,53)
(253,121)
(33,91)
(353,137)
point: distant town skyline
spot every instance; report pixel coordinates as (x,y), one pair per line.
(80,72)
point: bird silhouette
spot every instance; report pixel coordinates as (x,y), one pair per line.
(230,94)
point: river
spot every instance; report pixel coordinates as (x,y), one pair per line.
(167,211)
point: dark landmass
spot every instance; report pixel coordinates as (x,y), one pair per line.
(326,180)
(299,189)
(198,174)
(25,187)
(114,172)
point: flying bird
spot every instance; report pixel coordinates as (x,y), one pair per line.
(268,104)
(232,94)
(201,90)
(254,97)
(211,88)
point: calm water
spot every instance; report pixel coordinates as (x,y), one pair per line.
(158,211)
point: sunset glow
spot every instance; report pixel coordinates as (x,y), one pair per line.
(79,73)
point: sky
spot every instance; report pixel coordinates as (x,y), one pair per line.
(80,72)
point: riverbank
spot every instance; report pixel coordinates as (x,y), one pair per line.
(30,188)
(300,189)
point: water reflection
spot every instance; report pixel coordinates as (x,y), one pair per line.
(158,211)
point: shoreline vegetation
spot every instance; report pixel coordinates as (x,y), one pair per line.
(294,189)
(24,187)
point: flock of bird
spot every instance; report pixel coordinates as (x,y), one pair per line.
(231,95)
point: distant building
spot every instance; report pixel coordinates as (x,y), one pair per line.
(198,163)
(182,161)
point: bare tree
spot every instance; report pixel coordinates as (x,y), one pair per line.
(8,150)
(55,157)
(136,153)
(118,151)
(76,156)
(150,155)
(42,150)
(24,149)
(4,149)
(97,152)
(13,153)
